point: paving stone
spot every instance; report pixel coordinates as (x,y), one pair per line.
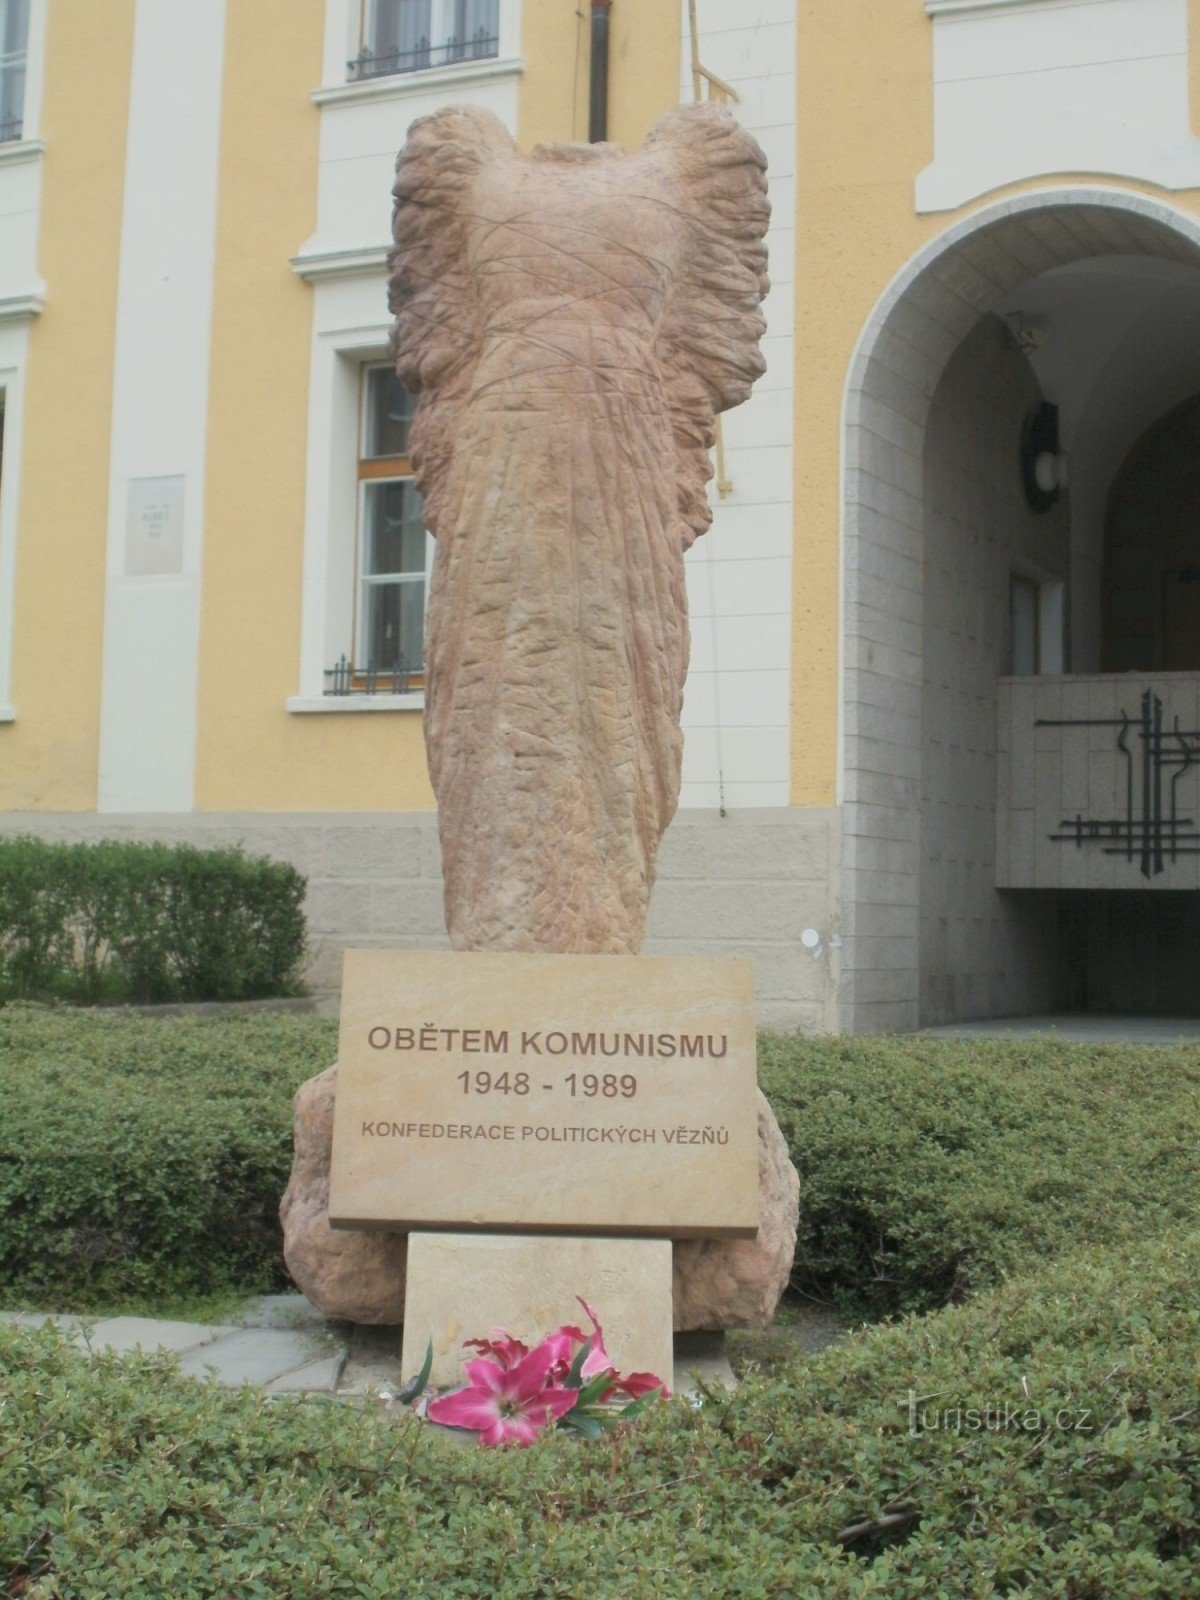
(39,1319)
(318,1377)
(700,1359)
(291,1312)
(122,1334)
(254,1355)
(1078,1027)
(374,1361)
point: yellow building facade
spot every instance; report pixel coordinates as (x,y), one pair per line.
(923,781)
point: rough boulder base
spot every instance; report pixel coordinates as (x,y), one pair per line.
(359,1277)
(356,1276)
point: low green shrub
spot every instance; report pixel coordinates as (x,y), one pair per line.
(143,1155)
(931,1168)
(117,1483)
(146,1156)
(146,922)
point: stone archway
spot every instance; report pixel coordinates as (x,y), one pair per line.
(973,269)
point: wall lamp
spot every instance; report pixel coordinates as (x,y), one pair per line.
(1043,465)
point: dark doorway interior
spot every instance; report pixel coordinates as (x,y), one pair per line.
(1152,551)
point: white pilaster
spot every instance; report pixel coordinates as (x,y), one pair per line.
(160,403)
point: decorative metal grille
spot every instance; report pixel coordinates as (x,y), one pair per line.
(478,46)
(1151,831)
(345,678)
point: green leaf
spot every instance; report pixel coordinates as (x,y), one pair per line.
(642,1403)
(592,1390)
(574,1377)
(581,1422)
(415,1387)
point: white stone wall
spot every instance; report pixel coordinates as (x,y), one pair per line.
(738,698)
(160,403)
(1049,775)
(976,956)
(1026,87)
(749,885)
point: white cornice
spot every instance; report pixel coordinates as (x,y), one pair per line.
(935,8)
(8,714)
(356,262)
(319,705)
(15,152)
(15,307)
(406,85)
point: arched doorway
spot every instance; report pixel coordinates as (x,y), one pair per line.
(1152,551)
(1087,300)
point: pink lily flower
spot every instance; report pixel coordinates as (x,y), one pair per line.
(501,1348)
(506,1406)
(638,1384)
(598,1360)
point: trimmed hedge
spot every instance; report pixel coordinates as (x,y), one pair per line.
(932,1168)
(118,1484)
(146,922)
(146,1156)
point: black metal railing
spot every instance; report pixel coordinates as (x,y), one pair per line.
(345,678)
(385,64)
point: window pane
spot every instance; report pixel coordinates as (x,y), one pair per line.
(408,35)
(14,27)
(1024,622)
(393,535)
(398,36)
(393,626)
(474,28)
(389,414)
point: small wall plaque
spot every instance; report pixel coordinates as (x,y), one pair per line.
(154,527)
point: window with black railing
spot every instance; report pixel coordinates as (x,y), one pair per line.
(14,36)
(411,35)
(393,551)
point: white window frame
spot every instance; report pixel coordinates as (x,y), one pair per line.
(31,105)
(343,40)
(331,561)
(361,579)
(1051,626)
(441,29)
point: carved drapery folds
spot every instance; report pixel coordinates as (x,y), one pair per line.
(571,321)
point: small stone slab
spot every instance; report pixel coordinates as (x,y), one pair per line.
(253,1355)
(39,1319)
(546,1093)
(318,1377)
(461,1286)
(289,1312)
(123,1334)
(373,1361)
(700,1359)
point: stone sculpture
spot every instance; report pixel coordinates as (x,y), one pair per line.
(571,322)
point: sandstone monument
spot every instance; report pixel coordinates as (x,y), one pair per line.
(571,322)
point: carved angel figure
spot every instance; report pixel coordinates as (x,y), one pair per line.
(571,321)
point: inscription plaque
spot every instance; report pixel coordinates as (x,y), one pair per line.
(154,527)
(574,1094)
